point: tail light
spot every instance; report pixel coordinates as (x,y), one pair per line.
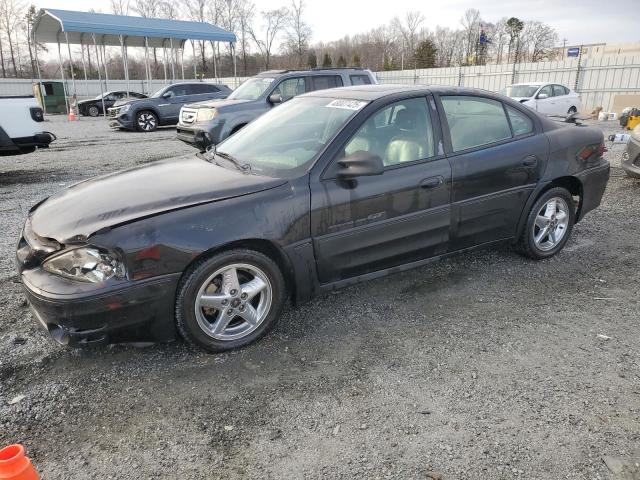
(586,153)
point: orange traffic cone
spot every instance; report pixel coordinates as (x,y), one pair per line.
(15,465)
(72,116)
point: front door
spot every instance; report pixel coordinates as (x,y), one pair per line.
(546,106)
(376,222)
(497,157)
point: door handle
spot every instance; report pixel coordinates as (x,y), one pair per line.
(432,182)
(530,162)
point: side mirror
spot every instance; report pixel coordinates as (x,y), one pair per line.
(275,98)
(166,95)
(360,164)
(542,96)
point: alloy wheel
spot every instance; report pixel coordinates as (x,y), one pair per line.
(233,302)
(551,224)
(93,111)
(146,121)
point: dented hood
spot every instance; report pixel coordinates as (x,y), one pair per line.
(77,212)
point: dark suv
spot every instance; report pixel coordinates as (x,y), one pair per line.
(163,107)
(205,123)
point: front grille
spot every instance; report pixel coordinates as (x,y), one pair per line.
(113,111)
(188,115)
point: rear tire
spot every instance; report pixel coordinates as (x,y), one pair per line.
(146,121)
(93,111)
(549,224)
(229,300)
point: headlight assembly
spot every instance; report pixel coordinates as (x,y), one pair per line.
(206,114)
(86,264)
(635,133)
(124,108)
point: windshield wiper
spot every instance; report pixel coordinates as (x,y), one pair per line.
(241,166)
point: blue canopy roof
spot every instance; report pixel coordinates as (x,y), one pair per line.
(51,26)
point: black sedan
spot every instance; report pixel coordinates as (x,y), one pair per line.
(93,106)
(331,188)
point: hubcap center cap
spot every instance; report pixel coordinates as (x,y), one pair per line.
(235,302)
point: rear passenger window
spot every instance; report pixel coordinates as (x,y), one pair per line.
(399,133)
(520,123)
(475,121)
(322,83)
(360,80)
(559,90)
(204,88)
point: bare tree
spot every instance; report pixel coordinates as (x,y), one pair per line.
(273,22)
(245,12)
(298,32)
(11,13)
(471,26)
(408,30)
(120,7)
(539,39)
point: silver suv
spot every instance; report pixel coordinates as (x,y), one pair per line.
(206,123)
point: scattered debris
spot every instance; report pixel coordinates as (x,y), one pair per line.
(17,399)
(19,341)
(336,429)
(603,337)
(624,469)
(228,428)
(435,475)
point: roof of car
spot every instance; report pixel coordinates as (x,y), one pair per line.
(374,92)
(313,70)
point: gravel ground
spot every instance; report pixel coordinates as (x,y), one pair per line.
(486,365)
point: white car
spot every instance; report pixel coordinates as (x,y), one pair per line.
(546,98)
(21,126)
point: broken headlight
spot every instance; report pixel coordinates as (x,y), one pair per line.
(86,264)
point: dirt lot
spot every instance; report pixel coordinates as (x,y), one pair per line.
(484,366)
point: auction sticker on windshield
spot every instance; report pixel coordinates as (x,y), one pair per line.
(346,104)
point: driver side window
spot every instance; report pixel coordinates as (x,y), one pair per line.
(547,90)
(399,133)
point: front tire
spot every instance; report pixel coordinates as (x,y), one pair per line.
(146,121)
(229,300)
(93,111)
(549,224)
(572,110)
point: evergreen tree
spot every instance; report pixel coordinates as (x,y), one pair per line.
(342,63)
(388,64)
(425,56)
(312,60)
(356,61)
(326,61)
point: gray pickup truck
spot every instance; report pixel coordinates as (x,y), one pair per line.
(163,107)
(208,123)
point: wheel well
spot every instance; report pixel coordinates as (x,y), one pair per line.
(574,186)
(263,246)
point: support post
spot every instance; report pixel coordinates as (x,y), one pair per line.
(195,70)
(215,65)
(104,64)
(64,85)
(575,86)
(164,60)
(182,58)
(235,67)
(73,75)
(173,66)
(147,69)
(84,66)
(35,49)
(125,61)
(104,111)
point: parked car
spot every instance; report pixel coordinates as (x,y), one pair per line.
(93,106)
(21,126)
(631,156)
(163,107)
(210,122)
(331,188)
(545,98)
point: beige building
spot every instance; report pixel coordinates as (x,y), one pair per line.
(601,50)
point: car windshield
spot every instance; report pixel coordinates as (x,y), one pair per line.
(158,93)
(515,91)
(286,140)
(251,89)
(105,95)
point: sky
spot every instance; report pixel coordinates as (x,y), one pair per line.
(583,21)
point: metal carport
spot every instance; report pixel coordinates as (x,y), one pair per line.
(101,30)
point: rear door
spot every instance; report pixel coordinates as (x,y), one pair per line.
(562,100)
(546,106)
(497,156)
(323,82)
(377,222)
